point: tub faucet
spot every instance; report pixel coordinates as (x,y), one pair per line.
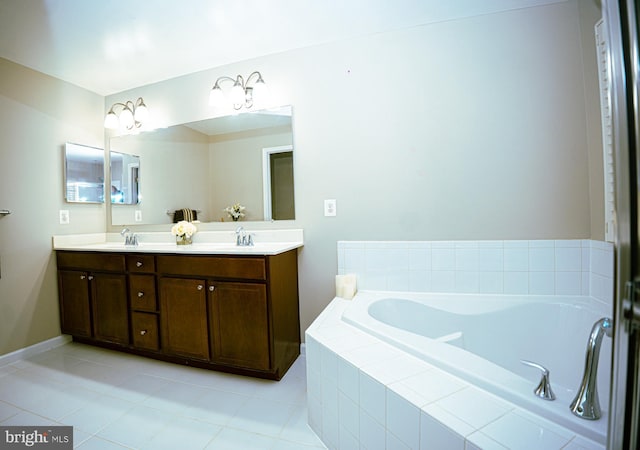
(586,404)
(543,390)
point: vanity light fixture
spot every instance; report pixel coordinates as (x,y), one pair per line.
(132,115)
(242,93)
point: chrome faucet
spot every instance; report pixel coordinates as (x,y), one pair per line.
(586,403)
(543,390)
(243,239)
(130,239)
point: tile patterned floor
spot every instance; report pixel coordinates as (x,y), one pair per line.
(115,400)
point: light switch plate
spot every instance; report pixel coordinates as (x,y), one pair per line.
(330,207)
(64,217)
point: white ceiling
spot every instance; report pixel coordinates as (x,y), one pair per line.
(109,46)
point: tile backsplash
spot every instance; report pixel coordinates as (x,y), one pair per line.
(548,267)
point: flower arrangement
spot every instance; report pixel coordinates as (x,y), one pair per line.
(235,211)
(183,231)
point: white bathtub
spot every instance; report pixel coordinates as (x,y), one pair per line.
(482,338)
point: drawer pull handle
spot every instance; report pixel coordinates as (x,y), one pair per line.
(200,287)
(140,294)
(139,264)
(143,332)
(212,288)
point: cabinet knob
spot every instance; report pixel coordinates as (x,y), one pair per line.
(82,277)
(90,277)
(143,332)
(212,288)
(139,264)
(200,287)
(140,294)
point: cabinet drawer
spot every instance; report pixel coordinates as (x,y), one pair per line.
(141,263)
(142,292)
(108,262)
(213,266)
(145,330)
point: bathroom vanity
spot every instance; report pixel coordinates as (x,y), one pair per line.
(209,305)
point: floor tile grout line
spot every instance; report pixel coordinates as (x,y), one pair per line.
(295,402)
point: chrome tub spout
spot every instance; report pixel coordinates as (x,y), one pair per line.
(586,403)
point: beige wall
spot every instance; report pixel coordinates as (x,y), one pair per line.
(467,129)
(173,168)
(236,171)
(38,114)
(480,128)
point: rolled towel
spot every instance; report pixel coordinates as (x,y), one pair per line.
(190,215)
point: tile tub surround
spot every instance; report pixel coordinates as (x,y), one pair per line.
(548,267)
(364,393)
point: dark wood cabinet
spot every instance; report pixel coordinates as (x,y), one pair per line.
(142,292)
(183,312)
(224,312)
(239,318)
(75,310)
(109,307)
(94,304)
(144,331)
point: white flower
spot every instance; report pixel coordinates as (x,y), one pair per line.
(184,228)
(235,211)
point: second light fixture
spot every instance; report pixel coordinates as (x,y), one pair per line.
(242,93)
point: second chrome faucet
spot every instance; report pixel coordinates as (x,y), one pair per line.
(243,239)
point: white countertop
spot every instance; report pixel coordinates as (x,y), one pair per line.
(266,242)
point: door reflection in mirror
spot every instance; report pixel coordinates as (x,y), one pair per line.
(277,173)
(125,178)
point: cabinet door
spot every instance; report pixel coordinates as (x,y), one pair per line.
(75,313)
(110,314)
(183,311)
(239,324)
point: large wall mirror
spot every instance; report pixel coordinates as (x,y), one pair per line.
(83,174)
(206,166)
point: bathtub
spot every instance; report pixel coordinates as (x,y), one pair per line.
(482,338)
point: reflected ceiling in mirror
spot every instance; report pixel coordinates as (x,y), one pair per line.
(206,166)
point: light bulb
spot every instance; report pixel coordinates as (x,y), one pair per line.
(260,91)
(142,113)
(237,95)
(111,121)
(126,118)
(216,96)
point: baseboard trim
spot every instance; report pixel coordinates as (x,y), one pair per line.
(34,349)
